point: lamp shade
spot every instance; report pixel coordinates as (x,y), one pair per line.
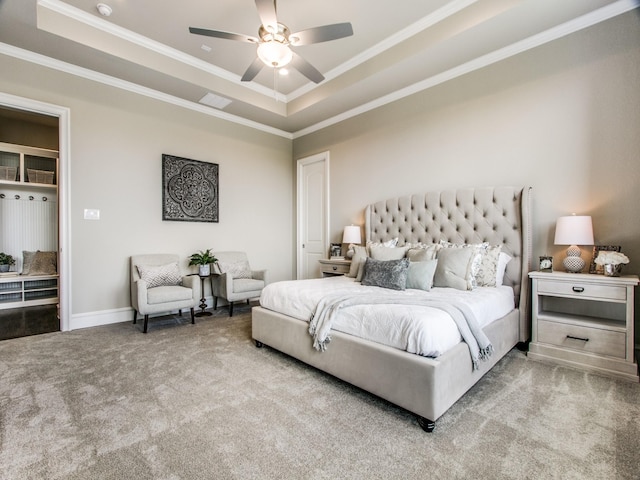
(574,230)
(351,234)
(274,54)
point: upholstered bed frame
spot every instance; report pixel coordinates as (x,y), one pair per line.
(422,385)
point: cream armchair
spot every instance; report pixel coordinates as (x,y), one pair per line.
(233,280)
(158,285)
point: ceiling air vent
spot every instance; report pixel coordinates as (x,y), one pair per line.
(215,101)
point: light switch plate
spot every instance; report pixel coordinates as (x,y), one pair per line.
(91,214)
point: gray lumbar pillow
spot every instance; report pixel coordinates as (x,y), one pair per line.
(420,274)
(453,268)
(386,273)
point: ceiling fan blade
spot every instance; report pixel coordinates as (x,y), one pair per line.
(226,35)
(267,13)
(253,70)
(306,68)
(321,34)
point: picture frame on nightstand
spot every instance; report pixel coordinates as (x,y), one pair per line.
(335,250)
(594,267)
(545,264)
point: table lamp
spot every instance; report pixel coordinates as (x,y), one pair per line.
(574,230)
(351,236)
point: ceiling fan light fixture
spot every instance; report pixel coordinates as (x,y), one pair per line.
(274,54)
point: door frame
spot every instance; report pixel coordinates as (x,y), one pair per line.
(302,162)
(64,205)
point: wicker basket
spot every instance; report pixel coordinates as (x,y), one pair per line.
(40,176)
(8,173)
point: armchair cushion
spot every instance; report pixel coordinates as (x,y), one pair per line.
(160,275)
(166,294)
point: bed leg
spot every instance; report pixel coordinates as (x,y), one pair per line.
(426,424)
(259,344)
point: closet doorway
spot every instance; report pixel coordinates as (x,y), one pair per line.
(33,159)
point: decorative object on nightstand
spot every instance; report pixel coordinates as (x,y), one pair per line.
(594,267)
(574,230)
(546,264)
(584,321)
(611,262)
(335,251)
(333,267)
(351,236)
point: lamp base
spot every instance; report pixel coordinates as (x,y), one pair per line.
(573,263)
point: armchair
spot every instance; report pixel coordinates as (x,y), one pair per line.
(158,285)
(233,280)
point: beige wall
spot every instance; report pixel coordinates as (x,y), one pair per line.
(27,132)
(117,140)
(563,118)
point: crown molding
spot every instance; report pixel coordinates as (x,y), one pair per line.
(92,75)
(562,30)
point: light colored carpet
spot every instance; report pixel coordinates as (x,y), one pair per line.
(202,402)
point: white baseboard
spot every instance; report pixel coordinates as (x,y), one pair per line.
(107,317)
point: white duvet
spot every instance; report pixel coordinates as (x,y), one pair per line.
(417,329)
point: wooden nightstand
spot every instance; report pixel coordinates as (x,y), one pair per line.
(331,268)
(584,321)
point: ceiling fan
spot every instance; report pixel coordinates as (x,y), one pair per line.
(275,39)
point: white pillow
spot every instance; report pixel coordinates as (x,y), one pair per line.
(422,252)
(503,260)
(387,253)
(420,274)
(454,268)
(359,257)
(476,258)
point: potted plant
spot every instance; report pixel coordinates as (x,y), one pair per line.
(203,259)
(6,261)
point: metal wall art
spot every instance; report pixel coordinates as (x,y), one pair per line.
(189,190)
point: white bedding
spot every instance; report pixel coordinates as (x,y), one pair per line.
(417,329)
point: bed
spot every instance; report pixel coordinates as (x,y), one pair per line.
(423,385)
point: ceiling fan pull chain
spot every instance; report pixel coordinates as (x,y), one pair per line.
(275,84)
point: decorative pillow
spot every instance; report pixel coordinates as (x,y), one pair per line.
(476,258)
(423,252)
(503,260)
(27,260)
(239,269)
(160,275)
(386,273)
(389,243)
(486,273)
(387,253)
(358,259)
(43,263)
(420,274)
(454,268)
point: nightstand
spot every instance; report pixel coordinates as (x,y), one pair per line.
(584,321)
(330,268)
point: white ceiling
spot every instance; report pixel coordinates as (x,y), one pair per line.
(398,48)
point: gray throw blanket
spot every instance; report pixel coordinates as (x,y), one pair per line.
(330,306)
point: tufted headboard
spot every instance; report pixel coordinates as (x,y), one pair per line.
(498,215)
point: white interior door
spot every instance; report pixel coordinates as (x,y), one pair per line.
(313,214)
